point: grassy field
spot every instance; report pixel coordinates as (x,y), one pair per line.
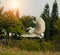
(16,51)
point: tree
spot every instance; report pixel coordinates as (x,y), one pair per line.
(27,21)
(54,18)
(46,17)
(1,19)
(54,14)
(9,23)
(12,23)
(45,13)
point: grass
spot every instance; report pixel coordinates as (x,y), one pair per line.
(16,51)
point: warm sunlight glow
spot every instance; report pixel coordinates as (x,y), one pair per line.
(15,4)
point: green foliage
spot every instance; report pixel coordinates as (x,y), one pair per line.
(30,45)
(54,14)
(1,18)
(57,26)
(56,41)
(54,18)
(56,37)
(27,21)
(45,15)
(11,23)
(47,46)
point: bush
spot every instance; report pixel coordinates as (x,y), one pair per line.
(30,45)
(56,41)
(47,46)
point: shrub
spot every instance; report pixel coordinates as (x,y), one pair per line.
(29,44)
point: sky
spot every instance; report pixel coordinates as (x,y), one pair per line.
(29,7)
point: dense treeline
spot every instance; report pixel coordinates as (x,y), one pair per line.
(52,24)
(11,23)
(50,18)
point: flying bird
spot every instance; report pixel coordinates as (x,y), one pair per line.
(38,30)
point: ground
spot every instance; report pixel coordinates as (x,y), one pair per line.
(16,51)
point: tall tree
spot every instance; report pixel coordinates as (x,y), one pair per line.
(45,14)
(54,18)
(46,17)
(54,14)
